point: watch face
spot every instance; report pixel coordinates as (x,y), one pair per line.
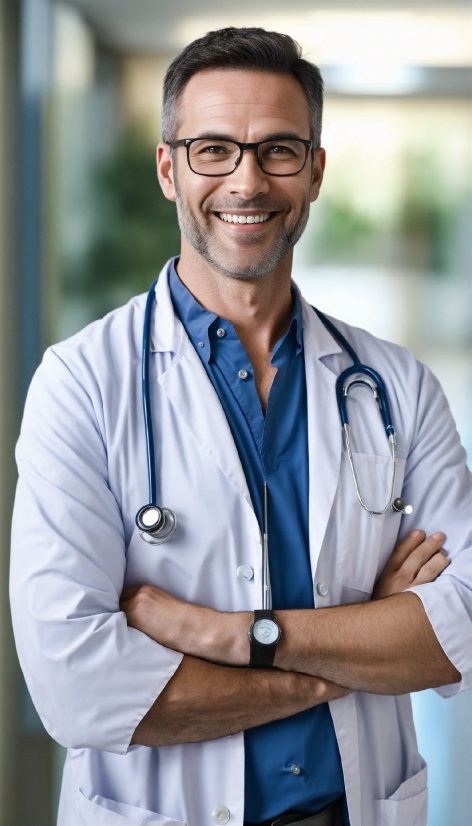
(266,632)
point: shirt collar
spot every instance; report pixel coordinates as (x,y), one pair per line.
(201,325)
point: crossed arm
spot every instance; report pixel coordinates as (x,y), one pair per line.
(386,646)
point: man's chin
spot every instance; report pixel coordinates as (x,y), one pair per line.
(241,268)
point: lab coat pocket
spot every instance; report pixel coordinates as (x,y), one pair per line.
(408,806)
(100,811)
(360,533)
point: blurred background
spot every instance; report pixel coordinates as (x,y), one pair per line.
(83,226)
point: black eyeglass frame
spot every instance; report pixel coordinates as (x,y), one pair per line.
(187,142)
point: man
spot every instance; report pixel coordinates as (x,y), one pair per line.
(164,722)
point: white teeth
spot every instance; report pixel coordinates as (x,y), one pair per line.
(244,219)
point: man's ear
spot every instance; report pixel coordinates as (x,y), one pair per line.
(318,172)
(165,171)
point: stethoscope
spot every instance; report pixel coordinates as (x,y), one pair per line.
(157,525)
(344,382)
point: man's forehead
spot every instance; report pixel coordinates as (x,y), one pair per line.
(229,95)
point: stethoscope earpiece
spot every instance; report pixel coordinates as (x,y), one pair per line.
(156,525)
(399,506)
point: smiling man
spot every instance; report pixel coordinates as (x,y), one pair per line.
(255,668)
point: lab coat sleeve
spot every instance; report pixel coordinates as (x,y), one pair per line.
(437,478)
(91,677)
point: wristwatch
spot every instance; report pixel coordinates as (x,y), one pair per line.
(264,634)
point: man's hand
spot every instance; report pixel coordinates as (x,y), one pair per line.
(414,561)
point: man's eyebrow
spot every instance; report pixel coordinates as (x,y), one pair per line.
(223,136)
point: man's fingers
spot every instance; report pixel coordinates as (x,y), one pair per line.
(405,548)
(432,568)
(129,593)
(337,691)
(326,690)
(423,553)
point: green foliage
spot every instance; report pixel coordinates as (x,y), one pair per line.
(343,232)
(136,229)
(425,219)
(419,235)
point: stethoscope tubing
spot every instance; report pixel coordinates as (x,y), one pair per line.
(355,369)
(380,394)
(146,394)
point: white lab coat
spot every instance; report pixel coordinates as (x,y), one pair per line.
(82,463)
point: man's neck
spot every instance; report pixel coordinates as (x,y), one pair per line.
(259,309)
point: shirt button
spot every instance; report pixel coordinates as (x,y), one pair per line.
(245,572)
(220,814)
(295,770)
(201,344)
(322,589)
(243,374)
(220,332)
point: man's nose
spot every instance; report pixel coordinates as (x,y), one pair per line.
(248,180)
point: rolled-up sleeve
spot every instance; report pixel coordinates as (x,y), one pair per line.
(439,483)
(91,677)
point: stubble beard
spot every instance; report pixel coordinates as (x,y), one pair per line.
(203,240)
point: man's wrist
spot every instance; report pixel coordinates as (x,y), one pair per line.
(291,649)
(222,637)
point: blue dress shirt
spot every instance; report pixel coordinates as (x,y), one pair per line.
(292,763)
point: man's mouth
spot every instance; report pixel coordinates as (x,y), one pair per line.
(244,219)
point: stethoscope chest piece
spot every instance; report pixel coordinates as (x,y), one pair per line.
(156,525)
(399,505)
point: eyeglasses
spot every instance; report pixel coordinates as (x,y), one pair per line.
(213,157)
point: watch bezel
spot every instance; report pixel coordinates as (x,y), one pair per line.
(253,639)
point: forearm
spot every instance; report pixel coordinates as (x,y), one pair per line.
(204,701)
(386,646)
(383,647)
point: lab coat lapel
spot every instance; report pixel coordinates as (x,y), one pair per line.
(324,429)
(191,392)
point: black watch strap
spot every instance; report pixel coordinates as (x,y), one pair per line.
(261,656)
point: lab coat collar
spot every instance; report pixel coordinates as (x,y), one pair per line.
(324,428)
(168,333)
(315,334)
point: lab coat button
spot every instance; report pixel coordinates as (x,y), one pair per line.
(295,769)
(322,589)
(243,374)
(245,572)
(220,814)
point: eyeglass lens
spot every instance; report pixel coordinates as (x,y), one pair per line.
(218,157)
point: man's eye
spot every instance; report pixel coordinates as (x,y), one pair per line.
(213,149)
(280,149)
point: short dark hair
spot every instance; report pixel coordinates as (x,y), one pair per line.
(246,48)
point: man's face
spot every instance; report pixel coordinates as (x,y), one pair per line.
(248,107)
